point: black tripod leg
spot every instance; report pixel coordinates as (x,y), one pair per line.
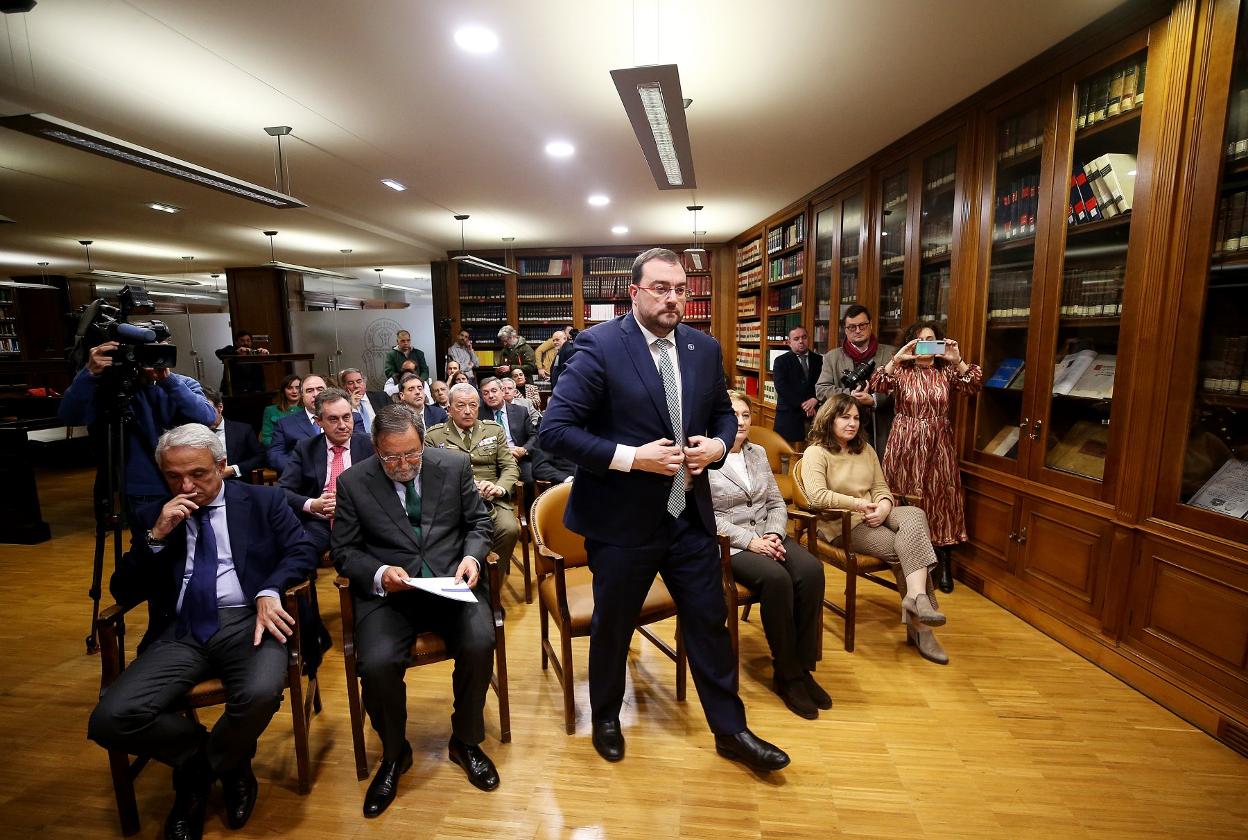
(97,576)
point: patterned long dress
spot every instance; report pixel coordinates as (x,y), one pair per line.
(921,459)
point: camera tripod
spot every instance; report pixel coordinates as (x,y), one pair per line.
(109,502)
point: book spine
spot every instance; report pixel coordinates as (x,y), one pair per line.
(1114,106)
(1129,78)
(1085,92)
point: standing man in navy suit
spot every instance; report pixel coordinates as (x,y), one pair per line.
(795,374)
(302,424)
(643,410)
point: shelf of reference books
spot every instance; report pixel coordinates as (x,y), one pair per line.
(786,236)
(544,267)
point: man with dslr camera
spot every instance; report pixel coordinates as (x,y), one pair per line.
(847,369)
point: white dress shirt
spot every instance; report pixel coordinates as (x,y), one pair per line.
(219,431)
(329,468)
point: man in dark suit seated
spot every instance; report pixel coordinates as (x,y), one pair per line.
(412,394)
(415,512)
(302,424)
(212,565)
(242,448)
(364,401)
(519,425)
(548,466)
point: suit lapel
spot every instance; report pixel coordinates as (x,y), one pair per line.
(382,488)
(639,354)
(730,473)
(237,513)
(688,375)
(319,467)
(431,482)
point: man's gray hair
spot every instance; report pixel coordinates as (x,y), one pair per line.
(329,395)
(194,436)
(507,331)
(396,419)
(465,389)
(660,254)
(489,380)
(342,377)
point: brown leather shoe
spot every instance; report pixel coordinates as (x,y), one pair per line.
(929,648)
(920,607)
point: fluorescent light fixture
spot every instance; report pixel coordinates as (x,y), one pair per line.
(619,230)
(307,269)
(598,200)
(655,106)
(476,40)
(399,288)
(560,149)
(156,292)
(100,274)
(16,284)
(393,184)
(468,259)
(164,208)
(79,137)
(695,250)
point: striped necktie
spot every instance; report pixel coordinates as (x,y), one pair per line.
(676,498)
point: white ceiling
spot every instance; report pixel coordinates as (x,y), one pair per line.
(785,95)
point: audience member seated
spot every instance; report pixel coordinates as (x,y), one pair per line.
(367,403)
(382,538)
(296,427)
(412,394)
(787,578)
(553,468)
(439,392)
(516,353)
(404,351)
(518,422)
(546,352)
(452,367)
(242,449)
(512,397)
(392,382)
(565,352)
(241,379)
(840,471)
(162,400)
(460,378)
(289,400)
(493,465)
(525,389)
(212,566)
(462,354)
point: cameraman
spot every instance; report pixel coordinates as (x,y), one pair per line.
(164,399)
(861,346)
(241,379)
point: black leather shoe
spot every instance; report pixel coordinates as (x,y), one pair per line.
(192,782)
(238,788)
(384,786)
(751,751)
(816,692)
(795,696)
(944,575)
(609,740)
(481,771)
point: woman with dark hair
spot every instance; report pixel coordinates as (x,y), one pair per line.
(525,389)
(460,378)
(286,402)
(840,471)
(921,460)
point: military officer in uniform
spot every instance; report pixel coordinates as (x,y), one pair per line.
(493,466)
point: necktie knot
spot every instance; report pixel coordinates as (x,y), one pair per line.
(200,513)
(338,450)
(662,343)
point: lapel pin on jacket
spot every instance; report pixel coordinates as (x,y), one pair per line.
(690,346)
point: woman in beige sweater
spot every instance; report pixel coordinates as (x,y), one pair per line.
(840,471)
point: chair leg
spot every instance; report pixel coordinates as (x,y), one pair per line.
(745,616)
(569,700)
(123,789)
(851,599)
(357,717)
(545,623)
(528,570)
(301,727)
(682,663)
(500,685)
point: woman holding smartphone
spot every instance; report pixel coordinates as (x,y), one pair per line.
(921,459)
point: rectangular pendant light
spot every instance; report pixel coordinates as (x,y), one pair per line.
(307,269)
(468,259)
(79,137)
(656,109)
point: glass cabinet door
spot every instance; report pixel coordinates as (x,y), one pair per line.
(851,243)
(1018,152)
(1093,268)
(895,207)
(936,234)
(825,254)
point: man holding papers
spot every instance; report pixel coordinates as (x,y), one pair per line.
(414,513)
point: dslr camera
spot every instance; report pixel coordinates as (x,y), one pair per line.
(857,378)
(139,342)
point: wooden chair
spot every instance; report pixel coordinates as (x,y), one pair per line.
(565,591)
(428,648)
(781,456)
(842,556)
(525,537)
(304,702)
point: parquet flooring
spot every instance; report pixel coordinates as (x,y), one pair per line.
(1017,738)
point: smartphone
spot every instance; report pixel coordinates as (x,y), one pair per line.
(929,348)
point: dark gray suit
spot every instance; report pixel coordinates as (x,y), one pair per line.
(371,530)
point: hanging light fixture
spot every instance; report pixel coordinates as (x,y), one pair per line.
(695,248)
(20,284)
(274,262)
(478,262)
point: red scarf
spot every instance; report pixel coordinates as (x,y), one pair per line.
(860,356)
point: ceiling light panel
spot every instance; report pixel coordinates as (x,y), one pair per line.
(654,104)
(393,184)
(164,208)
(598,200)
(476,40)
(560,149)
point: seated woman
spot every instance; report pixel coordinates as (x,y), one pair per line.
(527,390)
(286,402)
(788,579)
(840,471)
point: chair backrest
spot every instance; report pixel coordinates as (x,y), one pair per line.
(779,451)
(799,492)
(552,537)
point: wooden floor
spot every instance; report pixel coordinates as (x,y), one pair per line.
(1016,738)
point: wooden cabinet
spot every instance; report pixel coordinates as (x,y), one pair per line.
(1064,555)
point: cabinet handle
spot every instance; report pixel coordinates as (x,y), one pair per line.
(1026,422)
(1022,536)
(1035,430)
(1013,536)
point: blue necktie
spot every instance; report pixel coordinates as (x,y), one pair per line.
(199,604)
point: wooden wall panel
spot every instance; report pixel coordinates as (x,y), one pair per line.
(989,522)
(1066,553)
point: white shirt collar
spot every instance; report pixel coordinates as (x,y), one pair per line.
(651,337)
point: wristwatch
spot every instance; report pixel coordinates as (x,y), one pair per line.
(152,541)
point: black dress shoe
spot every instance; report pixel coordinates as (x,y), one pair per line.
(816,692)
(795,696)
(384,786)
(608,739)
(238,788)
(186,819)
(751,751)
(481,771)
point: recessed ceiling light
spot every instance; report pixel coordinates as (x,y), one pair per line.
(619,230)
(560,148)
(599,200)
(164,208)
(476,39)
(393,184)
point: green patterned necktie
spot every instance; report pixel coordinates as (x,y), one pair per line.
(412,502)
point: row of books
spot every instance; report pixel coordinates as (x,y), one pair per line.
(749,357)
(606,287)
(698,309)
(534,289)
(610,265)
(746,383)
(548,312)
(787,297)
(769,392)
(750,331)
(539,266)
(940,169)
(704,326)
(1083,205)
(479,334)
(786,268)
(1111,184)
(751,278)
(481,313)
(1017,204)
(778,326)
(10,345)
(1092,292)
(787,235)
(849,287)
(747,307)
(1114,91)
(1009,294)
(1019,135)
(896,193)
(699,286)
(1232,232)
(482,290)
(1237,126)
(934,294)
(1007,374)
(890,303)
(750,252)
(606,311)
(470,270)
(1225,371)
(937,236)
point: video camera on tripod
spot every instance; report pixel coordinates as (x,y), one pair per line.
(140,343)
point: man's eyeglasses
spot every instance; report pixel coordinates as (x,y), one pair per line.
(858,327)
(391,460)
(662,290)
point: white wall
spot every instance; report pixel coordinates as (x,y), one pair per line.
(364,336)
(199,336)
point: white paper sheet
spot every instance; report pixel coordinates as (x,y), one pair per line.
(443,587)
